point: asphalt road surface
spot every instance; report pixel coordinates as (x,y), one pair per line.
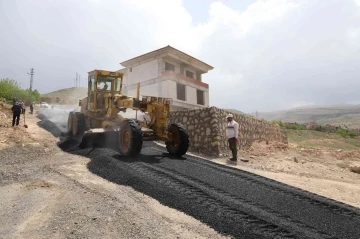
(232,201)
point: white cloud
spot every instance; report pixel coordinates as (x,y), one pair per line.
(169,23)
(241,23)
(271,55)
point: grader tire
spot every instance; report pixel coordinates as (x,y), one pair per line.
(78,124)
(179,144)
(130,138)
(70,123)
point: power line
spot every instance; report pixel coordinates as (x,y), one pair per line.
(77,81)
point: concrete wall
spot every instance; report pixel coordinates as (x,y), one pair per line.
(169,90)
(143,72)
(207,101)
(149,90)
(207,130)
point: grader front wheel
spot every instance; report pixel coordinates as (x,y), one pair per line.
(70,123)
(179,142)
(130,138)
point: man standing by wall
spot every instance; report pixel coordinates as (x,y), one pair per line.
(232,135)
(16,109)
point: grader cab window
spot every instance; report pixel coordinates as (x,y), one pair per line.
(91,83)
(104,86)
(104,83)
(91,91)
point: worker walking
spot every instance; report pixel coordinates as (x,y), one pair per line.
(232,132)
(16,109)
(31,108)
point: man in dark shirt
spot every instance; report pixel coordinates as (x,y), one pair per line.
(32,107)
(16,109)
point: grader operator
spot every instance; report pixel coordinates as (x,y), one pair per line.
(100,121)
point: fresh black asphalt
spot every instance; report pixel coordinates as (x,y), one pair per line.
(233,202)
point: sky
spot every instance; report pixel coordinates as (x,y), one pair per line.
(267,54)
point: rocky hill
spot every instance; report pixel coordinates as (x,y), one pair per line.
(348,115)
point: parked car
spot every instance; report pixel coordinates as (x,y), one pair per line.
(44,105)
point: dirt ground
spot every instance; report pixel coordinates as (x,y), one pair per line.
(51,194)
(46,193)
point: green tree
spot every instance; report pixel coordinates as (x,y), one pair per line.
(35,95)
(10,89)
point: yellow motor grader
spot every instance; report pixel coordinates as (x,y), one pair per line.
(100,122)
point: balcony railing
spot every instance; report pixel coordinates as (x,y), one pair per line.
(185,78)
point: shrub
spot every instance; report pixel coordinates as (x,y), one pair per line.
(346,133)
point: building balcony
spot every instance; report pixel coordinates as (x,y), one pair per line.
(185,78)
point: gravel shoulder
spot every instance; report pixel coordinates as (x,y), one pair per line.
(47,193)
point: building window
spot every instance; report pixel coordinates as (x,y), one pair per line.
(200,97)
(169,67)
(190,74)
(180,92)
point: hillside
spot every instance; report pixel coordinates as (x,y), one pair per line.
(69,94)
(238,112)
(348,115)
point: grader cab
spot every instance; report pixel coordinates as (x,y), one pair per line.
(100,121)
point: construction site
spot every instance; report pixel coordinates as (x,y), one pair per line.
(180,119)
(167,177)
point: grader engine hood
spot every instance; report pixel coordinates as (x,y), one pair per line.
(131,102)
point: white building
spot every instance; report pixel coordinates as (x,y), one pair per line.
(168,72)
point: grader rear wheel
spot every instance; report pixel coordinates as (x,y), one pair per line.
(78,124)
(179,143)
(130,138)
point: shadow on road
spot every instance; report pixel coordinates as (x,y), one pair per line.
(155,158)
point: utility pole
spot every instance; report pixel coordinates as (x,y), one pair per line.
(31,81)
(77,80)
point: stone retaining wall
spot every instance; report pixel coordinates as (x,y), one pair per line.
(207,130)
